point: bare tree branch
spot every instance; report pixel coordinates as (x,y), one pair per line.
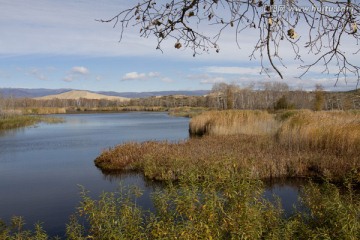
(328,24)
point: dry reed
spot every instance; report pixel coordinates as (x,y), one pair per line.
(233,122)
(320,144)
(337,132)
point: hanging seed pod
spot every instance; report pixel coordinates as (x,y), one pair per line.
(354,28)
(231,23)
(191,14)
(260,4)
(270,21)
(292,34)
(156,22)
(177,45)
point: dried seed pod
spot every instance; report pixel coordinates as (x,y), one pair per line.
(354,28)
(270,21)
(156,22)
(191,14)
(177,45)
(231,23)
(292,34)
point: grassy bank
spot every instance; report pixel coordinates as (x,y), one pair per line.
(267,146)
(17,121)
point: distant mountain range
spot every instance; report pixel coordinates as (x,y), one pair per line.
(41,92)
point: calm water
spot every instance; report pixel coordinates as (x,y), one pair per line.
(41,167)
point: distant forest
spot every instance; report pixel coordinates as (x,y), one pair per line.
(272,96)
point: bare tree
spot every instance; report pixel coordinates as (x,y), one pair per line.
(276,22)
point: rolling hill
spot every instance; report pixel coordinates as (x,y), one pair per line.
(76,94)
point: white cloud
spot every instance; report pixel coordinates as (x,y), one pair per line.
(80,70)
(36,73)
(206,78)
(153,74)
(232,70)
(213,80)
(141,76)
(134,76)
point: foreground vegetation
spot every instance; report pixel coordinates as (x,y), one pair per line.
(232,207)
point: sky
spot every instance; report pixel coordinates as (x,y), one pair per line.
(59,44)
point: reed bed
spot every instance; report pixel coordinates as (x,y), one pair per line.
(232,122)
(18,121)
(289,144)
(44,110)
(337,132)
(261,156)
(189,112)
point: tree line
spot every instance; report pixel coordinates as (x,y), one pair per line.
(272,96)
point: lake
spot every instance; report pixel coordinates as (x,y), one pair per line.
(42,167)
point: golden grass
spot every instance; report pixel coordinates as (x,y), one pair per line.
(217,155)
(231,122)
(291,144)
(338,132)
(43,110)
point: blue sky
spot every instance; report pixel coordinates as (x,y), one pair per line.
(58,44)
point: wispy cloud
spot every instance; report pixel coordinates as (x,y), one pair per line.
(76,73)
(232,70)
(134,76)
(37,74)
(130,76)
(206,78)
(80,70)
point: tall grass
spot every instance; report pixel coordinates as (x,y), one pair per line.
(44,110)
(231,122)
(338,132)
(260,155)
(264,152)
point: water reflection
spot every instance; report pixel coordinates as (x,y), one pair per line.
(287,191)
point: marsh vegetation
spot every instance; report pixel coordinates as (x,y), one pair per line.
(213,186)
(15,119)
(287,144)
